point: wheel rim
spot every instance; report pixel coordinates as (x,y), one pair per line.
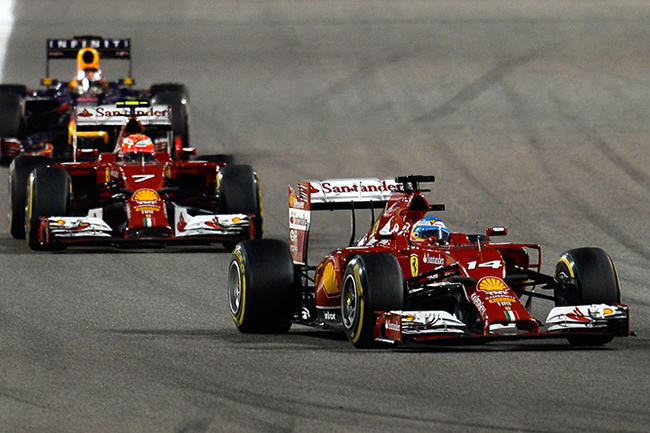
(350,302)
(563,274)
(235,288)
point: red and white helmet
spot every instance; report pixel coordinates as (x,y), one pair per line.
(137,143)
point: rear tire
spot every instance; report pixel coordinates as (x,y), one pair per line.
(11,114)
(19,171)
(177,96)
(48,194)
(12,119)
(262,290)
(371,282)
(239,192)
(596,282)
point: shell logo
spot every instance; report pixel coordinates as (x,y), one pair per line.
(146,195)
(329,280)
(491,284)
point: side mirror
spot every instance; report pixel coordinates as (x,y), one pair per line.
(496,231)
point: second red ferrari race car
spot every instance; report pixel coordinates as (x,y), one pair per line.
(409,279)
(135,195)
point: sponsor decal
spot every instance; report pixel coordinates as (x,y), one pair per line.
(329,315)
(104,111)
(433,260)
(357,186)
(298,219)
(490,284)
(73,44)
(414,266)
(147,209)
(295,203)
(507,299)
(476,300)
(391,326)
(330,282)
(146,195)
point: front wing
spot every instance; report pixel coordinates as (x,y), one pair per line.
(400,326)
(199,229)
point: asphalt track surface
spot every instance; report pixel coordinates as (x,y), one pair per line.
(534,115)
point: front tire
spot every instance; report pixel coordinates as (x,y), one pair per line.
(48,194)
(19,171)
(371,282)
(587,276)
(262,290)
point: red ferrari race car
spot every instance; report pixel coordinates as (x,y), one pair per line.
(409,279)
(37,121)
(135,195)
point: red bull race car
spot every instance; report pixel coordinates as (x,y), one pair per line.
(135,195)
(38,121)
(409,279)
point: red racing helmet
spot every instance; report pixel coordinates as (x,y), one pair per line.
(137,143)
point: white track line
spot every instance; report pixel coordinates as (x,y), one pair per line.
(6,25)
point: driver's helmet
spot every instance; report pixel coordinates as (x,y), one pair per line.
(137,147)
(430,229)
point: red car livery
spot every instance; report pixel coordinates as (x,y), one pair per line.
(135,195)
(395,285)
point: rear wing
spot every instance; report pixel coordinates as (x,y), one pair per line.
(101,116)
(332,194)
(108,48)
(107,121)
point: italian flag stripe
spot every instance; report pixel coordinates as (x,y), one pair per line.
(510,316)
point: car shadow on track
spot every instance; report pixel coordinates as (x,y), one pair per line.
(18,246)
(325,340)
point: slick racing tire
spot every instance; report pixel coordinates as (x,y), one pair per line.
(262,289)
(19,171)
(48,194)
(371,282)
(177,96)
(12,109)
(240,192)
(595,282)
